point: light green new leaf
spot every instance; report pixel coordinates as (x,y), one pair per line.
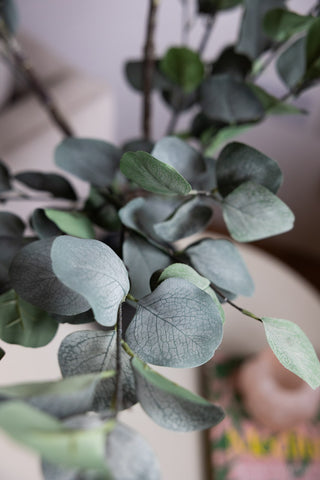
(153,175)
(62,398)
(11,225)
(239,163)
(293,349)
(24,324)
(220,262)
(55,441)
(183,67)
(73,223)
(170,405)
(223,135)
(252,212)
(93,270)
(87,352)
(272,105)
(177,325)
(281,24)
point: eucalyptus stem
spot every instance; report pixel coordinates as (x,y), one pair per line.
(118,390)
(21,63)
(173,122)
(148,69)
(234,305)
(206,34)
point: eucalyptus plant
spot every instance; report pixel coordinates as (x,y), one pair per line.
(148,300)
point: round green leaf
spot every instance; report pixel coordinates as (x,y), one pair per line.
(232,63)
(177,325)
(293,349)
(11,225)
(134,75)
(55,184)
(72,223)
(252,212)
(23,324)
(153,175)
(93,270)
(183,67)
(170,405)
(281,24)
(9,247)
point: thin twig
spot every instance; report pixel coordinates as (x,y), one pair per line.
(21,63)
(173,122)
(118,390)
(206,34)
(148,69)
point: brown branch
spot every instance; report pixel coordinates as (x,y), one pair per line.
(21,63)
(148,69)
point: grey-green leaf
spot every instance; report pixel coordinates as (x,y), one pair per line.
(41,224)
(291,64)
(281,24)
(134,75)
(222,136)
(170,405)
(183,67)
(93,270)
(71,222)
(55,441)
(239,163)
(24,324)
(228,99)
(142,259)
(293,349)
(220,262)
(11,225)
(55,184)
(9,247)
(90,351)
(94,161)
(252,212)
(5,178)
(274,106)
(33,278)
(153,175)
(177,325)
(191,217)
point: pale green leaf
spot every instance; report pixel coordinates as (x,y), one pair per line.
(71,222)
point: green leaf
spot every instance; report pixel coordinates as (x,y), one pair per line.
(153,175)
(94,161)
(211,6)
(11,225)
(252,40)
(179,101)
(90,351)
(291,64)
(223,135)
(293,349)
(62,398)
(189,218)
(93,270)
(232,63)
(272,105)
(41,224)
(101,211)
(79,319)
(313,51)
(220,262)
(33,278)
(181,156)
(2,353)
(138,144)
(73,223)
(137,460)
(55,441)
(170,405)
(134,75)
(239,163)
(142,259)
(229,100)
(55,184)
(5,178)
(9,14)
(9,247)
(281,24)
(183,67)
(23,324)
(177,325)
(252,212)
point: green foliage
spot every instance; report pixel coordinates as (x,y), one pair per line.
(211,6)
(72,223)
(55,184)
(5,178)
(183,67)
(281,24)
(11,225)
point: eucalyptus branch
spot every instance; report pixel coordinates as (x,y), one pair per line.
(148,68)
(22,65)
(173,122)
(118,390)
(234,305)
(185,22)
(206,34)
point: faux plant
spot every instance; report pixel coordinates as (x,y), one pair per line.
(149,301)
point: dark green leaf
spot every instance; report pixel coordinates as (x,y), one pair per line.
(134,75)
(183,67)
(55,184)
(170,405)
(211,6)
(293,349)
(178,100)
(229,100)
(142,259)
(11,225)
(94,161)
(281,24)
(90,351)
(2,353)
(272,105)
(71,222)
(85,317)
(41,224)
(138,144)
(9,14)
(32,277)
(291,64)
(9,247)
(253,41)
(5,178)
(93,270)
(153,175)
(220,262)
(189,218)
(232,63)
(101,211)
(62,398)
(23,324)
(239,163)
(313,51)
(55,441)
(252,212)
(177,325)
